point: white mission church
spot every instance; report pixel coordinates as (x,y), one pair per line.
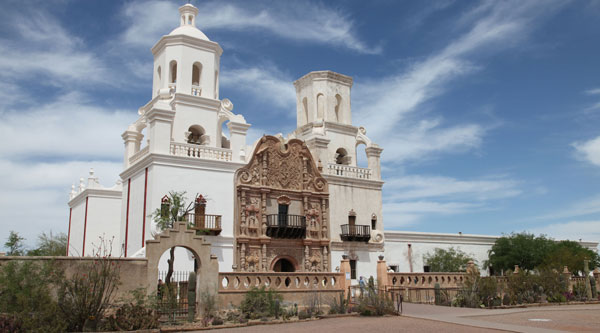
(295,203)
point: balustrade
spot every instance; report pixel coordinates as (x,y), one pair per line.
(137,156)
(205,224)
(296,281)
(196,90)
(348,171)
(426,280)
(352,232)
(197,151)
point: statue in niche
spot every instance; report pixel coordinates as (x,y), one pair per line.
(252,217)
(313,216)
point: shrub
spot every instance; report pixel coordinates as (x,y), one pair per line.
(374,302)
(131,317)
(303,315)
(593,285)
(338,305)
(217,321)
(25,297)
(10,323)
(84,297)
(259,302)
(579,291)
(506,299)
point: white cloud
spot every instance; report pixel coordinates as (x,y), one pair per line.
(582,207)
(408,199)
(34,196)
(46,49)
(572,230)
(593,91)
(304,22)
(64,127)
(384,105)
(588,151)
(268,85)
(413,187)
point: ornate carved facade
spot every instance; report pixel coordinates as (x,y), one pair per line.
(281,210)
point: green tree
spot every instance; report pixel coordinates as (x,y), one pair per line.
(570,254)
(14,244)
(521,249)
(451,260)
(50,245)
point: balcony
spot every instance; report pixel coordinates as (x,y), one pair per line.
(356,233)
(205,224)
(286,226)
(202,152)
(348,171)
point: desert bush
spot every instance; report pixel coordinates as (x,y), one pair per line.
(84,297)
(579,291)
(25,297)
(374,302)
(477,291)
(338,304)
(259,302)
(131,317)
(303,314)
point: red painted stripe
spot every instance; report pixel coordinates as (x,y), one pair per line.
(84,226)
(144,214)
(127,215)
(69,236)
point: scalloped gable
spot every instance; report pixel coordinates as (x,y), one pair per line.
(279,165)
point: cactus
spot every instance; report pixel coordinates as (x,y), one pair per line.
(192,296)
(438,294)
(593,285)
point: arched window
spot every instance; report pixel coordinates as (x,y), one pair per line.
(305,106)
(196,135)
(158,72)
(196,74)
(341,156)
(338,107)
(373,221)
(196,77)
(173,68)
(320,106)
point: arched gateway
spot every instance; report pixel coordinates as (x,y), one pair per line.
(180,235)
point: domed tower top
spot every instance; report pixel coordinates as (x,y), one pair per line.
(187,25)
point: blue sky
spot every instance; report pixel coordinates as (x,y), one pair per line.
(487,112)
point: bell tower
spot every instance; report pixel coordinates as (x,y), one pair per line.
(186,60)
(323,96)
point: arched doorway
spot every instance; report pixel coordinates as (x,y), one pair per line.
(284,265)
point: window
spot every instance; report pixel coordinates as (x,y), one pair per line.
(341,156)
(173,68)
(305,106)
(320,106)
(426,269)
(338,106)
(196,74)
(196,135)
(393,268)
(373,223)
(353,269)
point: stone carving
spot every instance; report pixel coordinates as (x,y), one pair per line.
(252,261)
(315,262)
(281,173)
(283,166)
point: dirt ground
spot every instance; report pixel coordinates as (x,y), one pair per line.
(361,325)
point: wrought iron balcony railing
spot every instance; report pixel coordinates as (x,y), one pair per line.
(205,224)
(356,233)
(286,226)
